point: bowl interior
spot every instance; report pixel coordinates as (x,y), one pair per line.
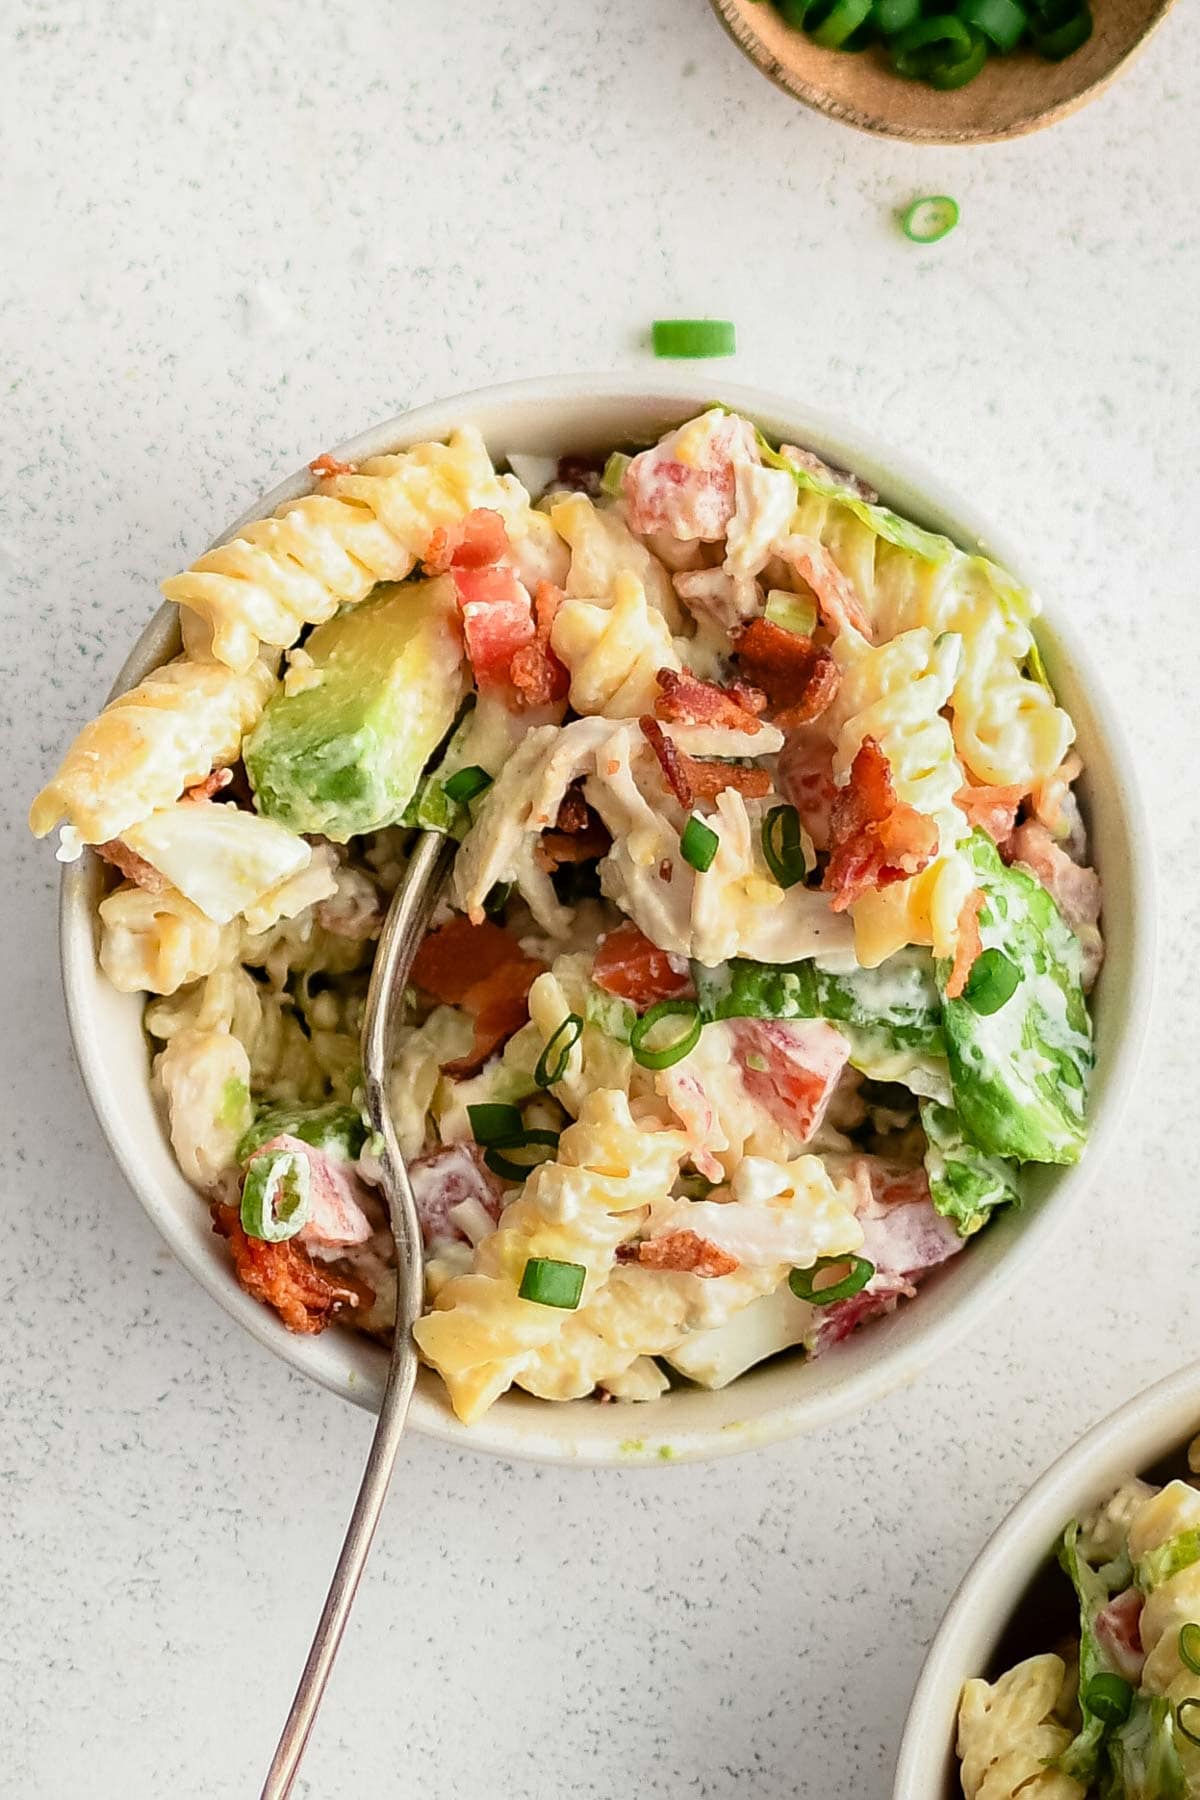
(786,1396)
(1005,1608)
(1012,95)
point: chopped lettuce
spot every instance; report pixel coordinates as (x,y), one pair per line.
(1020,1073)
(1143,1763)
(337,1129)
(1094,1588)
(965,1184)
(1178,1553)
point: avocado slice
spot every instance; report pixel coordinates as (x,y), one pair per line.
(343,753)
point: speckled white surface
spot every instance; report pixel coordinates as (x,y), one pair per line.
(229,236)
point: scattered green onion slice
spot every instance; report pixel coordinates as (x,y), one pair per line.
(501,1164)
(782,847)
(551,1283)
(276,1195)
(930,218)
(1002,22)
(791,612)
(993,981)
(955,72)
(1189,1647)
(466,783)
(693,337)
(859,1272)
(1061,41)
(1192,1736)
(840,21)
(892,16)
(614,473)
(551,1065)
(498,898)
(699,844)
(666,1054)
(494,1124)
(1109,1698)
(795,11)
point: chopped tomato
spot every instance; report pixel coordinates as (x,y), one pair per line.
(483,969)
(629,965)
(499,1006)
(478,541)
(875,838)
(686,485)
(306,1296)
(497,617)
(789,1068)
(1118,1630)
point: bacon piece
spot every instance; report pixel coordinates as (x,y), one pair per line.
(991,809)
(535,671)
(336,1218)
(707,779)
(554,848)
(445,1178)
(483,969)
(798,679)
(629,965)
(789,1068)
(215,782)
(685,700)
(306,1297)
(669,760)
(683,1253)
(134,867)
(326,464)
(574,813)
(805,777)
(875,838)
(1118,1630)
(840,607)
(968,944)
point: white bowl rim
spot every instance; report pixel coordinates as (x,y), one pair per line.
(560,1432)
(1142,1430)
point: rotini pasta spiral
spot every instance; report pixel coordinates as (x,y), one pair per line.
(1006,1735)
(602,547)
(159,943)
(205,1076)
(1163,1533)
(614,652)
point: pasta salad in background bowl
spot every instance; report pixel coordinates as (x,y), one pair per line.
(1068,1664)
(775,995)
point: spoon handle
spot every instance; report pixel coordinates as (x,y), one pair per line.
(398,942)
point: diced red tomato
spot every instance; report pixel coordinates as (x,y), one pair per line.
(497,616)
(483,969)
(1118,1630)
(629,965)
(443,1180)
(790,1068)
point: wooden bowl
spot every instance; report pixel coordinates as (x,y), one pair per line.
(1013,94)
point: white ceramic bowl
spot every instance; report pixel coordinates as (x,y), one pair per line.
(590,414)
(1152,1426)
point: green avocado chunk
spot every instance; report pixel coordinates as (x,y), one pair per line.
(344,753)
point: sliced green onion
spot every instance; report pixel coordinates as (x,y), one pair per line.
(1189,1732)
(693,337)
(930,218)
(679,1047)
(1061,41)
(699,844)
(795,11)
(955,72)
(501,1164)
(781,845)
(276,1195)
(551,1283)
(546,1071)
(892,16)
(940,35)
(859,1272)
(791,612)
(838,22)
(613,477)
(1189,1647)
(466,783)
(494,1124)
(1109,1698)
(993,981)
(1002,22)
(498,898)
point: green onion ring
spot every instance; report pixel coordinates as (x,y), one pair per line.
(504,1166)
(564,1040)
(781,846)
(1109,1698)
(494,1124)
(276,1195)
(693,337)
(1189,1647)
(463,786)
(930,219)
(1063,40)
(550,1283)
(1002,22)
(1192,1737)
(891,16)
(841,21)
(670,1053)
(860,1272)
(993,981)
(699,844)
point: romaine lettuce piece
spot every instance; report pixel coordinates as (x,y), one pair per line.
(1020,1073)
(965,1184)
(336,1129)
(1094,1588)
(1143,1763)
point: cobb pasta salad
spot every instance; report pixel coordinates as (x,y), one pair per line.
(763,965)
(1114,1711)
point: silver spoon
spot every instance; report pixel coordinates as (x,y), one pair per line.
(403,929)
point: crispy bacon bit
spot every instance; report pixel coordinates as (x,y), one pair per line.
(707,779)
(574,813)
(214,783)
(306,1296)
(841,608)
(479,541)
(325,464)
(666,869)
(685,1253)
(798,679)
(968,944)
(875,839)
(992,809)
(669,760)
(685,700)
(629,965)
(556,847)
(132,866)
(485,971)
(535,671)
